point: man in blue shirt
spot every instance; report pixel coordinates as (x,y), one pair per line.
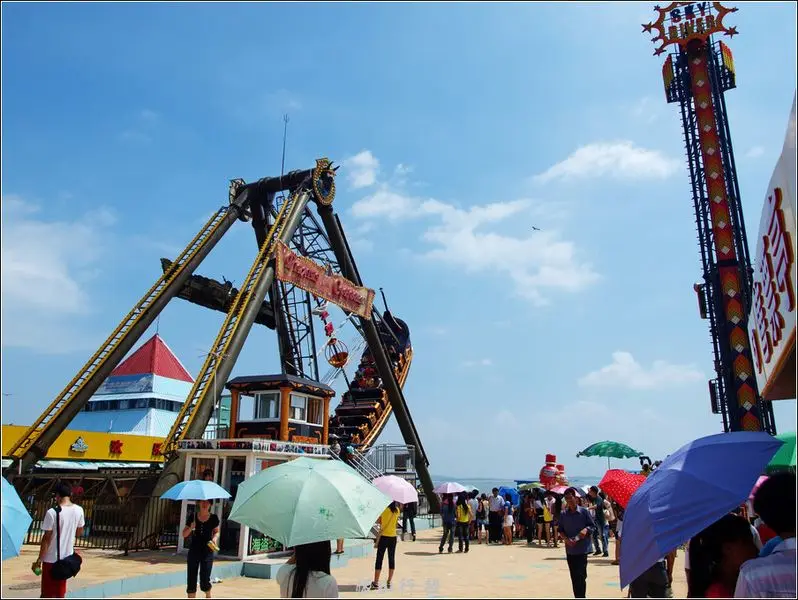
(576,525)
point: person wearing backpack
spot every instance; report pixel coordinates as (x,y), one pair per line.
(61,525)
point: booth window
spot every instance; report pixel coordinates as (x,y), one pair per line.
(298,407)
(267,405)
(314,411)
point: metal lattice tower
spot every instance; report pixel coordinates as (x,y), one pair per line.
(696,76)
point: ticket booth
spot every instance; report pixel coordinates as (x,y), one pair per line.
(280,407)
(234,461)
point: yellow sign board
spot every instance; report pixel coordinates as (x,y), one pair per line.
(92,445)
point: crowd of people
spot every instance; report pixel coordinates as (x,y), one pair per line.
(748,553)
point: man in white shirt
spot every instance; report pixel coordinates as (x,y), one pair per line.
(70,524)
(495,517)
(473,502)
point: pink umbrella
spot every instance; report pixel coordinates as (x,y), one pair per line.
(450,487)
(762,479)
(397,489)
(559,489)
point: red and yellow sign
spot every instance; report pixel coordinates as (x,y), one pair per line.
(681,22)
(313,278)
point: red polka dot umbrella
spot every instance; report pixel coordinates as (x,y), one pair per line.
(621,485)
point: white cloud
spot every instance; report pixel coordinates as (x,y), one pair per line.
(362,169)
(46,265)
(534,262)
(755,152)
(483,362)
(621,160)
(626,372)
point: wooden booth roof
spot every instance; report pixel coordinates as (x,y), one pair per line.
(256,383)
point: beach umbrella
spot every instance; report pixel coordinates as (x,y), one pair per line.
(515,497)
(397,489)
(16,521)
(620,485)
(449,487)
(785,457)
(690,490)
(610,450)
(308,500)
(195,489)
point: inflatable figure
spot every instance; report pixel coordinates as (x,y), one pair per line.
(548,474)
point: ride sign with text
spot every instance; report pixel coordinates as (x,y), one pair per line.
(313,278)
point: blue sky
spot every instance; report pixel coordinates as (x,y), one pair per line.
(459,128)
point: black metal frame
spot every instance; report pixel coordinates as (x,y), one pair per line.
(722,388)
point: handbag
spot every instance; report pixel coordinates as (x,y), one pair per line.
(63,568)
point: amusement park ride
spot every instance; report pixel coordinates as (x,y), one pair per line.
(696,76)
(285,289)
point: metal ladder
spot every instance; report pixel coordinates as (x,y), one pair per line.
(77,384)
(200,390)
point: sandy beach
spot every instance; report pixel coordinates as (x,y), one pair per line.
(486,571)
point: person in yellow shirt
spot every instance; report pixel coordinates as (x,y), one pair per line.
(463,516)
(386,540)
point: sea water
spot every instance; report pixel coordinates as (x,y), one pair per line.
(486,484)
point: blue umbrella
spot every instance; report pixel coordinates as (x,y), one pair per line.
(690,490)
(195,489)
(515,498)
(16,521)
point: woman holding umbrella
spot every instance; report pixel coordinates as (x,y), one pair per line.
(204,531)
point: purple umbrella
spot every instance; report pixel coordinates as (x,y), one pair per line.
(690,490)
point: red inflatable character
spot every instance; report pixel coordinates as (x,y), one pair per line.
(562,478)
(548,474)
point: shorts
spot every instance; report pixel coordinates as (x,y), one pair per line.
(482,524)
(508,521)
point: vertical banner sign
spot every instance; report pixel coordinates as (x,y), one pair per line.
(313,278)
(773,309)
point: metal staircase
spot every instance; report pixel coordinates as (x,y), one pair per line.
(360,464)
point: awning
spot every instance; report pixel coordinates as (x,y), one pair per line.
(84,465)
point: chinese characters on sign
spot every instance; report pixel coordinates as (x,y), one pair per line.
(773,286)
(115,447)
(313,278)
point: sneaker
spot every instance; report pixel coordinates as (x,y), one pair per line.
(606,555)
(440,550)
(414,537)
(450,550)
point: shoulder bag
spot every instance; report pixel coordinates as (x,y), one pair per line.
(63,568)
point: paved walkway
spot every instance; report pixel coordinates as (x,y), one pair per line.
(486,571)
(495,571)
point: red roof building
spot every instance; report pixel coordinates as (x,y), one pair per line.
(154,357)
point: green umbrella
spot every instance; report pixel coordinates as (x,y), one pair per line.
(785,458)
(610,450)
(529,486)
(308,500)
